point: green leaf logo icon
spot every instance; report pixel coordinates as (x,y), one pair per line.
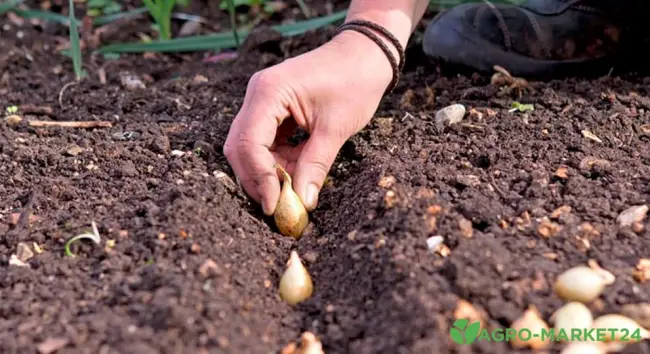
(461,333)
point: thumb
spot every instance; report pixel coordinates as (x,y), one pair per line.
(313,165)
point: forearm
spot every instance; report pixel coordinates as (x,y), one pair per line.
(398,16)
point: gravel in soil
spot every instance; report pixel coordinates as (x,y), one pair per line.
(518,197)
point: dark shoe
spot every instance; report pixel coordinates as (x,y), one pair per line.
(541,39)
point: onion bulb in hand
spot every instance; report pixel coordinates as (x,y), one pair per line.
(290,214)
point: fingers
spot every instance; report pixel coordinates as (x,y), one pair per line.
(247,146)
(253,164)
(313,165)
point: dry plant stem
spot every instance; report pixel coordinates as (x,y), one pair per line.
(82,124)
(63,90)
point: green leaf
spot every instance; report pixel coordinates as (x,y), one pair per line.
(8,5)
(100,21)
(516,106)
(112,8)
(217,41)
(233,21)
(225,4)
(45,15)
(183,3)
(97,3)
(75,47)
(111,56)
(94,12)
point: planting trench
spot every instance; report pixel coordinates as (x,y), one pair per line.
(489,185)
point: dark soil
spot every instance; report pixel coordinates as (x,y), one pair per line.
(378,289)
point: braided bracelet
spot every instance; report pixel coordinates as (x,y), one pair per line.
(360,26)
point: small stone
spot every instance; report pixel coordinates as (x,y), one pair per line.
(74,150)
(199,79)
(209,269)
(390,199)
(450,115)
(131,82)
(547,228)
(642,271)
(466,227)
(592,164)
(564,209)
(386,182)
(468,180)
(51,345)
(177,153)
(23,252)
(562,173)
(632,215)
(310,257)
(13,260)
(226,180)
(434,241)
(13,119)
(637,227)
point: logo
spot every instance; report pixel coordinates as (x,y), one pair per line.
(466,333)
(462,333)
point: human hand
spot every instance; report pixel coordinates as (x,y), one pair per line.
(332,92)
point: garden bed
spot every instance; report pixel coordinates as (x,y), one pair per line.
(195,266)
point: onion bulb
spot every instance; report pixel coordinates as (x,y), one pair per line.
(531,321)
(290,214)
(583,284)
(625,329)
(572,315)
(296,284)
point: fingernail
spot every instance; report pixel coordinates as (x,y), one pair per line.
(312,196)
(267,207)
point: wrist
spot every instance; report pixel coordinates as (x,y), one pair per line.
(353,49)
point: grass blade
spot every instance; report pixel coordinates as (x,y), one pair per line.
(106,19)
(65,20)
(304,8)
(8,5)
(75,47)
(46,16)
(300,27)
(233,21)
(218,41)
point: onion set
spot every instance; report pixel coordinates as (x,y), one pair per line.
(290,215)
(296,284)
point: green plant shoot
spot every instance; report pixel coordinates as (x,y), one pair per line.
(161,11)
(233,21)
(75,47)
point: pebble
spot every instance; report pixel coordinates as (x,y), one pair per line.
(450,115)
(74,150)
(131,82)
(51,345)
(632,215)
(434,241)
(23,252)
